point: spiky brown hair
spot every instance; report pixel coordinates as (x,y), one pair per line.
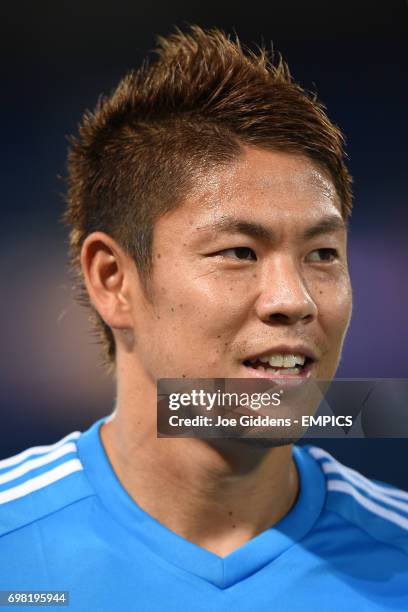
(193,109)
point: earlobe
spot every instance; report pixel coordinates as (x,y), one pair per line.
(104,268)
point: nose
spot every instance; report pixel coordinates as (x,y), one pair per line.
(285,298)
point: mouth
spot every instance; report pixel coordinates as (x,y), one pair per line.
(282,364)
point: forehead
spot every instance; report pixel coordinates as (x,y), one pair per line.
(268,187)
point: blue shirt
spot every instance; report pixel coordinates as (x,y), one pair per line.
(66,523)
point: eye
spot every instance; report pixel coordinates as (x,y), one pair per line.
(323,255)
(242,253)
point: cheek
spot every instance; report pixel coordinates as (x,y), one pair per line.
(184,318)
(334,302)
(195,320)
(208,300)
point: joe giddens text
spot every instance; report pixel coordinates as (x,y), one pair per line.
(260,421)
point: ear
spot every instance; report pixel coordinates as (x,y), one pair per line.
(107,270)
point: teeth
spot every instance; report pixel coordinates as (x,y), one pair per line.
(272,371)
(289,361)
(280,371)
(279,360)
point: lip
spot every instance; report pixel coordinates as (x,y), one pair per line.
(284,380)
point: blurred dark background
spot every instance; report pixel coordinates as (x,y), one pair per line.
(57,57)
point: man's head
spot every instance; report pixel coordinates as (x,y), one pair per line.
(211,135)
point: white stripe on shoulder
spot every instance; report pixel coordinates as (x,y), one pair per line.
(37,450)
(333,465)
(369,487)
(319,453)
(32,464)
(385,513)
(39,482)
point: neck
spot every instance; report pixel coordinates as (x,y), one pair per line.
(216,494)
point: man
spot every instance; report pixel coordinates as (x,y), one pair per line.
(208,201)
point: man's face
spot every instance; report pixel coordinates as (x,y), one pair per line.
(252,266)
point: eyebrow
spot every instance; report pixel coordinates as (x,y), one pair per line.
(329,224)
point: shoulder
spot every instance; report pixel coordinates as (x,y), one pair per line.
(377,508)
(39,481)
